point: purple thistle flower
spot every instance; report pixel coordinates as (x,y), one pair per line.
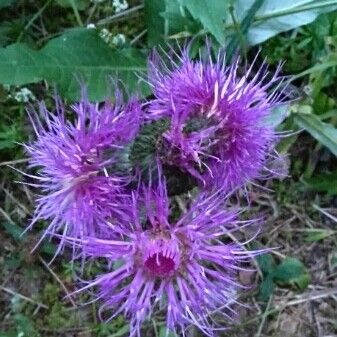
(181,267)
(218,119)
(73,158)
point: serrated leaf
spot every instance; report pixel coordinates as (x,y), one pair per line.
(292,272)
(325,182)
(323,132)
(210,13)
(277,16)
(79,52)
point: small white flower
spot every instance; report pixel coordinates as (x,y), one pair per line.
(118,39)
(105,35)
(24,95)
(120,5)
(91,26)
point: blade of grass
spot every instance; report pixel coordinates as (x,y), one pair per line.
(264,318)
(25,298)
(76,13)
(114,17)
(242,29)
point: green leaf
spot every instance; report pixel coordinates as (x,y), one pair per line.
(6,3)
(266,263)
(154,21)
(277,16)
(292,272)
(210,13)
(333,260)
(5,31)
(13,229)
(13,262)
(124,330)
(10,136)
(284,145)
(323,132)
(48,248)
(329,63)
(244,26)
(9,333)
(177,22)
(80,4)
(277,115)
(325,182)
(79,53)
(25,326)
(317,234)
(266,288)
(166,332)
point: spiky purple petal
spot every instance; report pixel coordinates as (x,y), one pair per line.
(218,131)
(72,159)
(182,267)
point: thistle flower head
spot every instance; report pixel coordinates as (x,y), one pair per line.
(218,131)
(179,266)
(72,160)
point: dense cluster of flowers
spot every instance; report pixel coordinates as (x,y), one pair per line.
(161,255)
